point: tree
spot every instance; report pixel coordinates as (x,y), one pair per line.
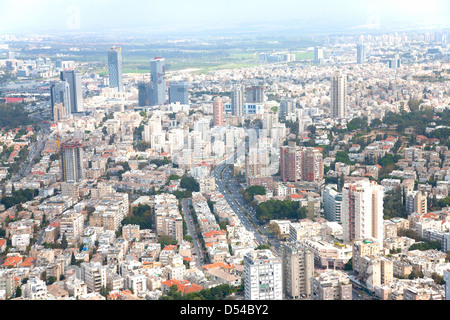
(18,292)
(190,184)
(279,209)
(312,129)
(73,261)
(249,194)
(274,229)
(376,123)
(349,265)
(51,280)
(342,156)
(438,279)
(142,215)
(142,145)
(166,241)
(64,242)
(104,291)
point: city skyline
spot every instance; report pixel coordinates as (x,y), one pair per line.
(224,158)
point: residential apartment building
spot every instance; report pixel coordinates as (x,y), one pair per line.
(298,269)
(262,276)
(362,211)
(331,285)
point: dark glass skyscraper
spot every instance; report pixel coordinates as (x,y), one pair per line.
(115,68)
(73,78)
(144,92)
(178,92)
(60,93)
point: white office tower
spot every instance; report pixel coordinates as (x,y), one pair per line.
(115,68)
(263,278)
(338,94)
(362,211)
(237,101)
(298,270)
(72,162)
(318,55)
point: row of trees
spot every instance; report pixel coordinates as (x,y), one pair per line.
(13,115)
(280,209)
(216,293)
(18,197)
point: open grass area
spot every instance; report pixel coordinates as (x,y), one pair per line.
(304,55)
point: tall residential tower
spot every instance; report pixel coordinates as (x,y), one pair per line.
(338,95)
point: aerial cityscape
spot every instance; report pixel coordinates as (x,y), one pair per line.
(217,156)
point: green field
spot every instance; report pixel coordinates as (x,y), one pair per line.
(304,55)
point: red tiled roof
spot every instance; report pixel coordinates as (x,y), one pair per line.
(12,261)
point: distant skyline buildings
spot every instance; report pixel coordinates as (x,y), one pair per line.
(287,107)
(361,53)
(218,111)
(60,94)
(254,94)
(144,91)
(237,101)
(318,55)
(115,68)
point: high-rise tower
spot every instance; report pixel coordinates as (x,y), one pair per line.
(115,68)
(338,95)
(72,161)
(237,101)
(362,211)
(60,94)
(158,82)
(73,78)
(179,92)
(218,111)
(361,53)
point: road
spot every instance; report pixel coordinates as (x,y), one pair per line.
(35,148)
(185,203)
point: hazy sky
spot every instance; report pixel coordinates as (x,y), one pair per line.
(100,15)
